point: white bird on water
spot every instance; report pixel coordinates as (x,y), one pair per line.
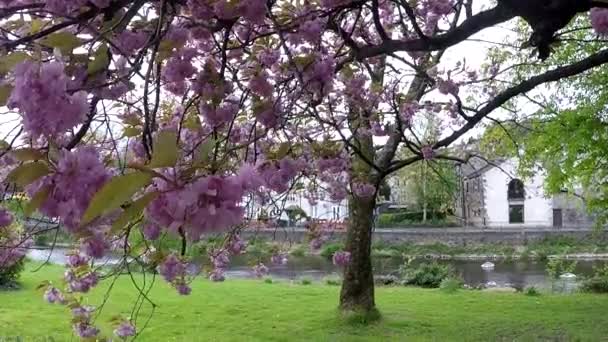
(487,265)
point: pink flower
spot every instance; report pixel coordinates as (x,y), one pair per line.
(599,20)
(447,87)
(341,258)
(427,152)
(260,270)
(53,295)
(5,218)
(41,95)
(125,329)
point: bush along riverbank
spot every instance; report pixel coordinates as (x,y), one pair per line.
(554,247)
(563,247)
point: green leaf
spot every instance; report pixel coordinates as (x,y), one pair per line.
(114,193)
(203,152)
(36,201)
(100,61)
(283,150)
(133,210)
(8,62)
(165,49)
(27,154)
(165,151)
(65,41)
(36,25)
(5,92)
(26,174)
(130,132)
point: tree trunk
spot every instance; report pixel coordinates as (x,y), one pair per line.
(358,285)
(424,193)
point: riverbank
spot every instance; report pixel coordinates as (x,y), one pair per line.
(257,311)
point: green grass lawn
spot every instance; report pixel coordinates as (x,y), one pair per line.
(240,310)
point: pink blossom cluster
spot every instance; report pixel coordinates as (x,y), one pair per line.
(427,152)
(82,322)
(66,7)
(79,276)
(211,203)
(129,42)
(125,329)
(341,258)
(174,271)
(78,175)
(277,175)
(599,20)
(279,259)
(40,94)
(252,10)
(260,270)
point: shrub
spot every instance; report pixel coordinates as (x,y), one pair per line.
(333,281)
(451,284)
(298,251)
(557,267)
(598,283)
(329,249)
(428,275)
(305,281)
(595,285)
(10,275)
(385,280)
(531,291)
(12,255)
(268,280)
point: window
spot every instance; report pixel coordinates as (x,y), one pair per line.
(516,213)
(516,190)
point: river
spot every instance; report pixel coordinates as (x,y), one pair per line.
(517,273)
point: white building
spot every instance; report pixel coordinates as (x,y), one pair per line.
(494,196)
(320,209)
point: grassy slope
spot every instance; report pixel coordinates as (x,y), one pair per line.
(255,311)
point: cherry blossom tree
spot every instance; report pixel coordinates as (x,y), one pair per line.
(147,118)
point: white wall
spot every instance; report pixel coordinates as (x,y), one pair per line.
(538,210)
(326,210)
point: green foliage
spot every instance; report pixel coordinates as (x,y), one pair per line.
(305,281)
(28,173)
(332,281)
(268,280)
(10,275)
(451,284)
(115,193)
(428,275)
(296,214)
(432,185)
(557,266)
(165,149)
(598,283)
(298,250)
(414,219)
(16,207)
(531,291)
(329,249)
(567,135)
